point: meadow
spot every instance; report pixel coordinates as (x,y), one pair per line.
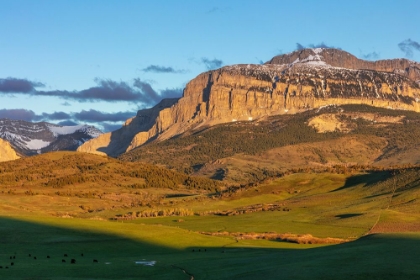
(122,249)
(361,224)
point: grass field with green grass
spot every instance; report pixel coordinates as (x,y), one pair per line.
(119,249)
(231,234)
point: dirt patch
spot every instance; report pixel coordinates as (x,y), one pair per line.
(396,227)
(328,123)
(342,122)
(285,237)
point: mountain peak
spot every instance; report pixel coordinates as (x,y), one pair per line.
(329,57)
(29,138)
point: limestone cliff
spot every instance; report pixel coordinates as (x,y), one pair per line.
(6,151)
(287,84)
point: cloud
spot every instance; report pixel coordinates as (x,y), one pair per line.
(13,85)
(408,47)
(105,90)
(259,60)
(107,127)
(171,93)
(97,116)
(55,116)
(149,94)
(370,56)
(18,114)
(67,123)
(213,10)
(300,47)
(162,69)
(211,64)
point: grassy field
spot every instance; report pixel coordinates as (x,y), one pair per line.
(118,246)
(232,235)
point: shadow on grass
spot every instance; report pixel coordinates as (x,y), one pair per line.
(31,250)
(349,215)
(380,256)
(365,179)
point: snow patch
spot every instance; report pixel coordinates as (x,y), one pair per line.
(64,130)
(317,50)
(36,144)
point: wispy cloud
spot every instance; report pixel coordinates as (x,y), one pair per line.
(213,10)
(408,47)
(98,116)
(14,85)
(67,123)
(54,116)
(320,45)
(370,56)
(211,63)
(106,90)
(163,69)
(18,114)
(171,92)
(109,126)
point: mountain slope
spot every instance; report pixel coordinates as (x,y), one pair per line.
(29,138)
(250,92)
(245,152)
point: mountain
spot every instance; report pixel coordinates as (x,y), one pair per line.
(29,138)
(243,152)
(287,84)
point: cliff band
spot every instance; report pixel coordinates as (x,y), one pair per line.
(287,84)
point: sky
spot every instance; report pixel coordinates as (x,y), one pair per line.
(98,62)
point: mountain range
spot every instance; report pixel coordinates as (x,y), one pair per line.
(287,85)
(27,138)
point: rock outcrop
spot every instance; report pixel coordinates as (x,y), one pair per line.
(6,151)
(286,84)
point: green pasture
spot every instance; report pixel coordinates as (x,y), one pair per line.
(118,246)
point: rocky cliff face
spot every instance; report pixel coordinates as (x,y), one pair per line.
(6,151)
(287,84)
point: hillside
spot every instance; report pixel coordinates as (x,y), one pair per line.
(69,183)
(347,134)
(343,202)
(288,84)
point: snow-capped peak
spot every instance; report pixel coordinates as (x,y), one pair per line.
(64,130)
(32,138)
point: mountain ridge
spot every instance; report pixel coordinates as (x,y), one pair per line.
(343,59)
(28,138)
(247,92)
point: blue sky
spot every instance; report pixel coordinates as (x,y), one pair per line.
(99,61)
